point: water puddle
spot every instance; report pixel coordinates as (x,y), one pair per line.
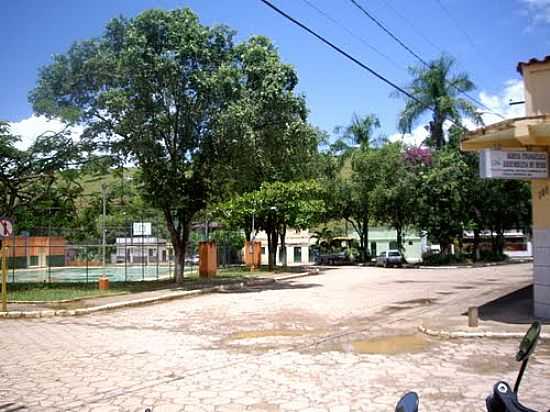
(386,345)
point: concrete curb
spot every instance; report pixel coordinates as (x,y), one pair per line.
(484,265)
(162,298)
(482,334)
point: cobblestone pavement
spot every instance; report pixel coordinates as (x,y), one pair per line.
(344,340)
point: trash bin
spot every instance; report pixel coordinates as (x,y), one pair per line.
(103,283)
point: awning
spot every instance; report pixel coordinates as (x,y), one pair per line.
(518,133)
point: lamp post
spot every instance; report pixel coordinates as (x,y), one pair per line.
(253,239)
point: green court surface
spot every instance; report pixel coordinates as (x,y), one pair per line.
(82,274)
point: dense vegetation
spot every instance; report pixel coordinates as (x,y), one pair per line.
(215,130)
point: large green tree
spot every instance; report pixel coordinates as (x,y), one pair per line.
(394,198)
(274,207)
(36,184)
(164,91)
(436,92)
(349,195)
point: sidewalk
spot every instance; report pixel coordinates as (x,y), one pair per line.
(97,304)
(507,316)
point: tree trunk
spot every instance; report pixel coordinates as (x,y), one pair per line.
(179,234)
(179,267)
(437,135)
(272,240)
(399,238)
(366,251)
(282,235)
(500,243)
(477,241)
(400,246)
(445,245)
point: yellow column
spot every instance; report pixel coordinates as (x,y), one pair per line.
(4,279)
(540,190)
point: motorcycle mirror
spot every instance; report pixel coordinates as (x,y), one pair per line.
(408,403)
(529,341)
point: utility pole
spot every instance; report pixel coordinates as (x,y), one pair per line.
(103,240)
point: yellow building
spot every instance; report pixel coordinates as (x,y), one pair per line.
(529,139)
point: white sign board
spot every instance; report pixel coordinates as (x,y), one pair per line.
(142,229)
(501,164)
(6,227)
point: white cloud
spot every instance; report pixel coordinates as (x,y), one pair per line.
(416,137)
(500,102)
(538,10)
(30,128)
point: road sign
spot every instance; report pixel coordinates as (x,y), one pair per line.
(513,164)
(6,227)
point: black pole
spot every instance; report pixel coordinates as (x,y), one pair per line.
(13,259)
(86,252)
(520,374)
(126,257)
(49,250)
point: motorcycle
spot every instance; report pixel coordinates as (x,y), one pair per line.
(503,398)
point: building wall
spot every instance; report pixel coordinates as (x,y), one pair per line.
(36,251)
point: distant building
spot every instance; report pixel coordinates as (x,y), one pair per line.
(35,251)
(516,243)
(142,249)
(301,245)
(383,238)
(298,243)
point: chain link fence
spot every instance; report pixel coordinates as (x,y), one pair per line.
(48,255)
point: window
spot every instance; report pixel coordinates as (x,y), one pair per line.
(297,254)
(393,244)
(263,250)
(373,248)
(410,242)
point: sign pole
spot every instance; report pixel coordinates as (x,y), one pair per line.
(6,230)
(4,278)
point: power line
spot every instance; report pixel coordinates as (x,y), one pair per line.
(389,33)
(342,52)
(353,34)
(420,59)
(412,25)
(457,24)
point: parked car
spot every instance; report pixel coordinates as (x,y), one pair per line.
(389,258)
(334,258)
(192,260)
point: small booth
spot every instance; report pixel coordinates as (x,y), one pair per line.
(519,149)
(253,254)
(208,259)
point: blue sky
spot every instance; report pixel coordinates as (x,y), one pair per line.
(488,38)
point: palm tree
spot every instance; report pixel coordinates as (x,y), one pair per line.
(435,89)
(359,134)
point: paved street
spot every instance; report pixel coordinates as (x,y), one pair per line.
(344,340)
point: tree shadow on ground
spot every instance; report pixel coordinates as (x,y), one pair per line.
(515,307)
(270,286)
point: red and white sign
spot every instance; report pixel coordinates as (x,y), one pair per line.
(6,227)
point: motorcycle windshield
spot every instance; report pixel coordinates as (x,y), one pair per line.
(408,403)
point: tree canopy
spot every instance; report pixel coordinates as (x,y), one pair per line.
(195,112)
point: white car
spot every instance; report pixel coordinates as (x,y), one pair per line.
(389,258)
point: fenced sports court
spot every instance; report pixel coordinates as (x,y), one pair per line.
(52,259)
